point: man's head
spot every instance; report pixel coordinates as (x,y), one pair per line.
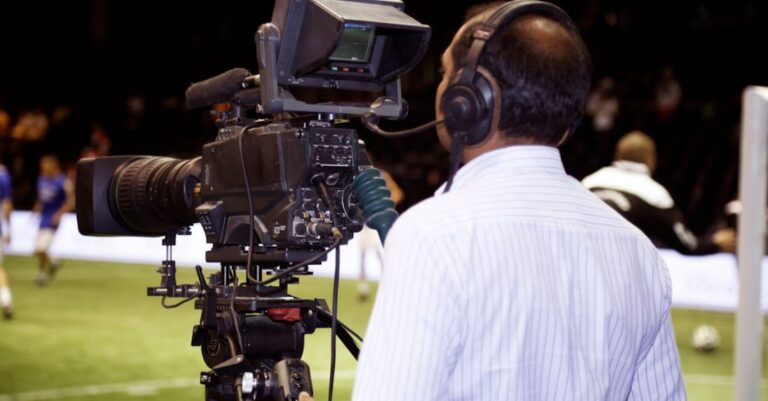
(540,73)
(637,147)
(49,166)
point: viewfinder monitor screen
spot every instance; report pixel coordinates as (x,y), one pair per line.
(355,44)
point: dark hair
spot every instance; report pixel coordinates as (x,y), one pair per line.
(544,84)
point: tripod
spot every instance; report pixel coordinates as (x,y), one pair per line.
(251,335)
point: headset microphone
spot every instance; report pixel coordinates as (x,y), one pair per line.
(371,122)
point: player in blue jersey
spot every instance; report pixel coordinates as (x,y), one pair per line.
(6,302)
(54,198)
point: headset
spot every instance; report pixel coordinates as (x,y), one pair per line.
(468,102)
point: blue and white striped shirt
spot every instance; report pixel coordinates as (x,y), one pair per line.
(519,284)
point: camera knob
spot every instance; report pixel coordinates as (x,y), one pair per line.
(248,382)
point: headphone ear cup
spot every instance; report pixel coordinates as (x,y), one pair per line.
(481,128)
(461,107)
(467,110)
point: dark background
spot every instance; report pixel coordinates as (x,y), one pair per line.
(93,56)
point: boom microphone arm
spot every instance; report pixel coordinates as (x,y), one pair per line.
(371,122)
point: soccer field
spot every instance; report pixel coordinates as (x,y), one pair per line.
(92,334)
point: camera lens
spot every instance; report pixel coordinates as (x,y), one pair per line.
(154,195)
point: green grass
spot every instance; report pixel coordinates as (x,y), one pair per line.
(93,325)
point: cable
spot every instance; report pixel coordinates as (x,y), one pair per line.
(250,207)
(334,315)
(336,242)
(176,305)
(232,309)
(249,260)
(322,190)
(337,238)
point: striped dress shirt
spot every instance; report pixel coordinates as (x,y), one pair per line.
(519,284)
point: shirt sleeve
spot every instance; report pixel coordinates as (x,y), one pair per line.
(413,335)
(658,376)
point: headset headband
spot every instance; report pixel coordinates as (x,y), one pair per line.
(505,13)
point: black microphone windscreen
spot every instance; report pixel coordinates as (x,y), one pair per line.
(217,89)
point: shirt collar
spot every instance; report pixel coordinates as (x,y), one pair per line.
(634,167)
(510,160)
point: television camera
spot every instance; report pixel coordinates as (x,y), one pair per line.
(281,186)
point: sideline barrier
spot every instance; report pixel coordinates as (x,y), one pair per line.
(699,282)
(188,252)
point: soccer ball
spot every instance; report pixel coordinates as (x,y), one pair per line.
(705,338)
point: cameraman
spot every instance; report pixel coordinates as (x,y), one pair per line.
(518,283)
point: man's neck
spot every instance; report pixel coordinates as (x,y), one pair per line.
(495,142)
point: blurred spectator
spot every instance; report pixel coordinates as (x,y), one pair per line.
(6,301)
(26,148)
(133,134)
(55,197)
(68,132)
(5,123)
(100,142)
(31,127)
(668,94)
(627,186)
(603,106)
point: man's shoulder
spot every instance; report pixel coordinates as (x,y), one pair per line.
(433,214)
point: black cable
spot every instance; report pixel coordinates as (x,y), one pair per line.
(250,207)
(232,309)
(334,321)
(322,190)
(292,269)
(337,237)
(176,305)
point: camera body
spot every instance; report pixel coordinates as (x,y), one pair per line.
(284,162)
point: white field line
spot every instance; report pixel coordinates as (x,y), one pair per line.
(134,388)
